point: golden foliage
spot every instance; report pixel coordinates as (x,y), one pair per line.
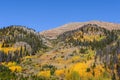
(13,66)
(28,57)
(59,72)
(7,49)
(81,69)
(98,70)
(85,71)
(44,73)
(74,58)
(90,37)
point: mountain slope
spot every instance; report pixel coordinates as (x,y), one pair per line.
(92,44)
(90,34)
(19,41)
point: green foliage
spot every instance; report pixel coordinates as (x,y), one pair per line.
(88,70)
(82,50)
(4,69)
(74,76)
(52,70)
(5,73)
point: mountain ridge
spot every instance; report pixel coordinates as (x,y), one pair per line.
(53,33)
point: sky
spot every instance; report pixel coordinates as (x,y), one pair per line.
(47,14)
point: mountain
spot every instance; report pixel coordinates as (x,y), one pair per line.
(95,43)
(72,26)
(75,51)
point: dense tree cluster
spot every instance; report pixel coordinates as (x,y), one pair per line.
(109,56)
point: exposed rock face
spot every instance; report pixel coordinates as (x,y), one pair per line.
(52,34)
(23,44)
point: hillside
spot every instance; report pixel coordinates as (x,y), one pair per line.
(75,51)
(19,41)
